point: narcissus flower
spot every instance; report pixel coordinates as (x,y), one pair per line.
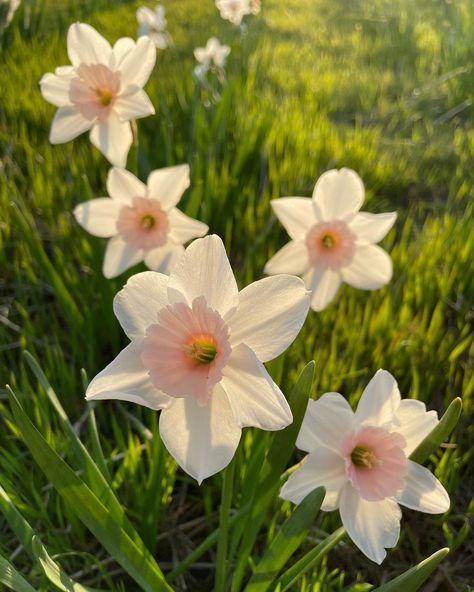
(152,23)
(212,56)
(196,353)
(362,461)
(332,242)
(102,91)
(141,220)
(234,10)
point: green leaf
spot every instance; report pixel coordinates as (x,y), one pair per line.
(439,434)
(132,556)
(11,578)
(307,562)
(290,536)
(411,580)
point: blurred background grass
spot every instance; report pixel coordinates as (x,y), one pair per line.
(385,88)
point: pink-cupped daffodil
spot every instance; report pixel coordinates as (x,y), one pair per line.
(234,10)
(152,23)
(197,351)
(141,221)
(102,91)
(362,460)
(331,240)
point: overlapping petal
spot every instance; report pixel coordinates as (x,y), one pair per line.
(86,46)
(119,256)
(255,399)
(296,214)
(133,104)
(324,284)
(370,268)
(124,186)
(204,270)
(270,315)
(55,89)
(113,138)
(138,303)
(371,228)
(67,125)
(163,259)
(422,491)
(183,228)
(292,258)
(137,65)
(338,194)
(98,216)
(203,439)
(126,379)
(379,401)
(414,423)
(168,185)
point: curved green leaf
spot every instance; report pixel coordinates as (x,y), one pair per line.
(12,579)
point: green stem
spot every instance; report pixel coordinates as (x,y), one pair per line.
(221,566)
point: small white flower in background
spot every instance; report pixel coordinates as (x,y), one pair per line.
(213,55)
(332,242)
(102,91)
(255,6)
(362,461)
(152,23)
(196,352)
(234,10)
(141,220)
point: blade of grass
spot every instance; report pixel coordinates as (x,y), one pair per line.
(11,578)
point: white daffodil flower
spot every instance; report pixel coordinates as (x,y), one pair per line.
(212,56)
(362,461)
(197,351)
(141,220)
(234,10)
(102,91)
(332,242)
(152,23)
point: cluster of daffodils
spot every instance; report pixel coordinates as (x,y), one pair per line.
(197,344)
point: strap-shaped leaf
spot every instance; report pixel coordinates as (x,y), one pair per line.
(133,557)
(10,577)
(439,434)
(411,580)
(290,536)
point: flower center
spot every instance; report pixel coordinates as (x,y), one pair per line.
(363,457)
(148,221)
(328,241)
(202,350)
(105,96)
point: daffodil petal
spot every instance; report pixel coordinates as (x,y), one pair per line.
(133,105)
(255,399)
(113,138)
(379,401)
(296,214)
(168,185)
(164,258)
(119,256)
(370,268)
(126,379)
(98,216)
(202,439)
(55,89)
(371,228)
(270,315)
(86,46)
(292,258)
(338,194)
(372,526)
(138,64)
(138,303)
(67,124)
(123,186)
(324,284)
(414,423)
(423,492)
(183,228)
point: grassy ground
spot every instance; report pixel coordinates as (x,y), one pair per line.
(384,87)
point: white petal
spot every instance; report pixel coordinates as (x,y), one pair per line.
(379,401)
(204,270)
(138,303)
(67,125)
(370,269)
(99,216)
(414,423)
(55,89)
(124,186)
(423,492)
(323,467)
(296,214)
(203,440)
(163,259)
(133,105)
(255,399)
(137,65)
(324,284)
(183,228)
(120,50)
(338,193)
(119,256)
(86,46)
(168,185)
(292,258)
(373,526)
(325,423)
(371,228)
(126,379)
(270,315)
(113,138)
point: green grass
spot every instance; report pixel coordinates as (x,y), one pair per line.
(384,87)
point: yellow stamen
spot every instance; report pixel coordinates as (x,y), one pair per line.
(363,457)
(328,241)
(203,351)
(105,96)
(148,221)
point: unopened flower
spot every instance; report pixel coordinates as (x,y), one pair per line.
(212,56)
(234,10)
(361,459)
(141,220)
(152,23)
(196,352)
(102,91)
(332,242)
